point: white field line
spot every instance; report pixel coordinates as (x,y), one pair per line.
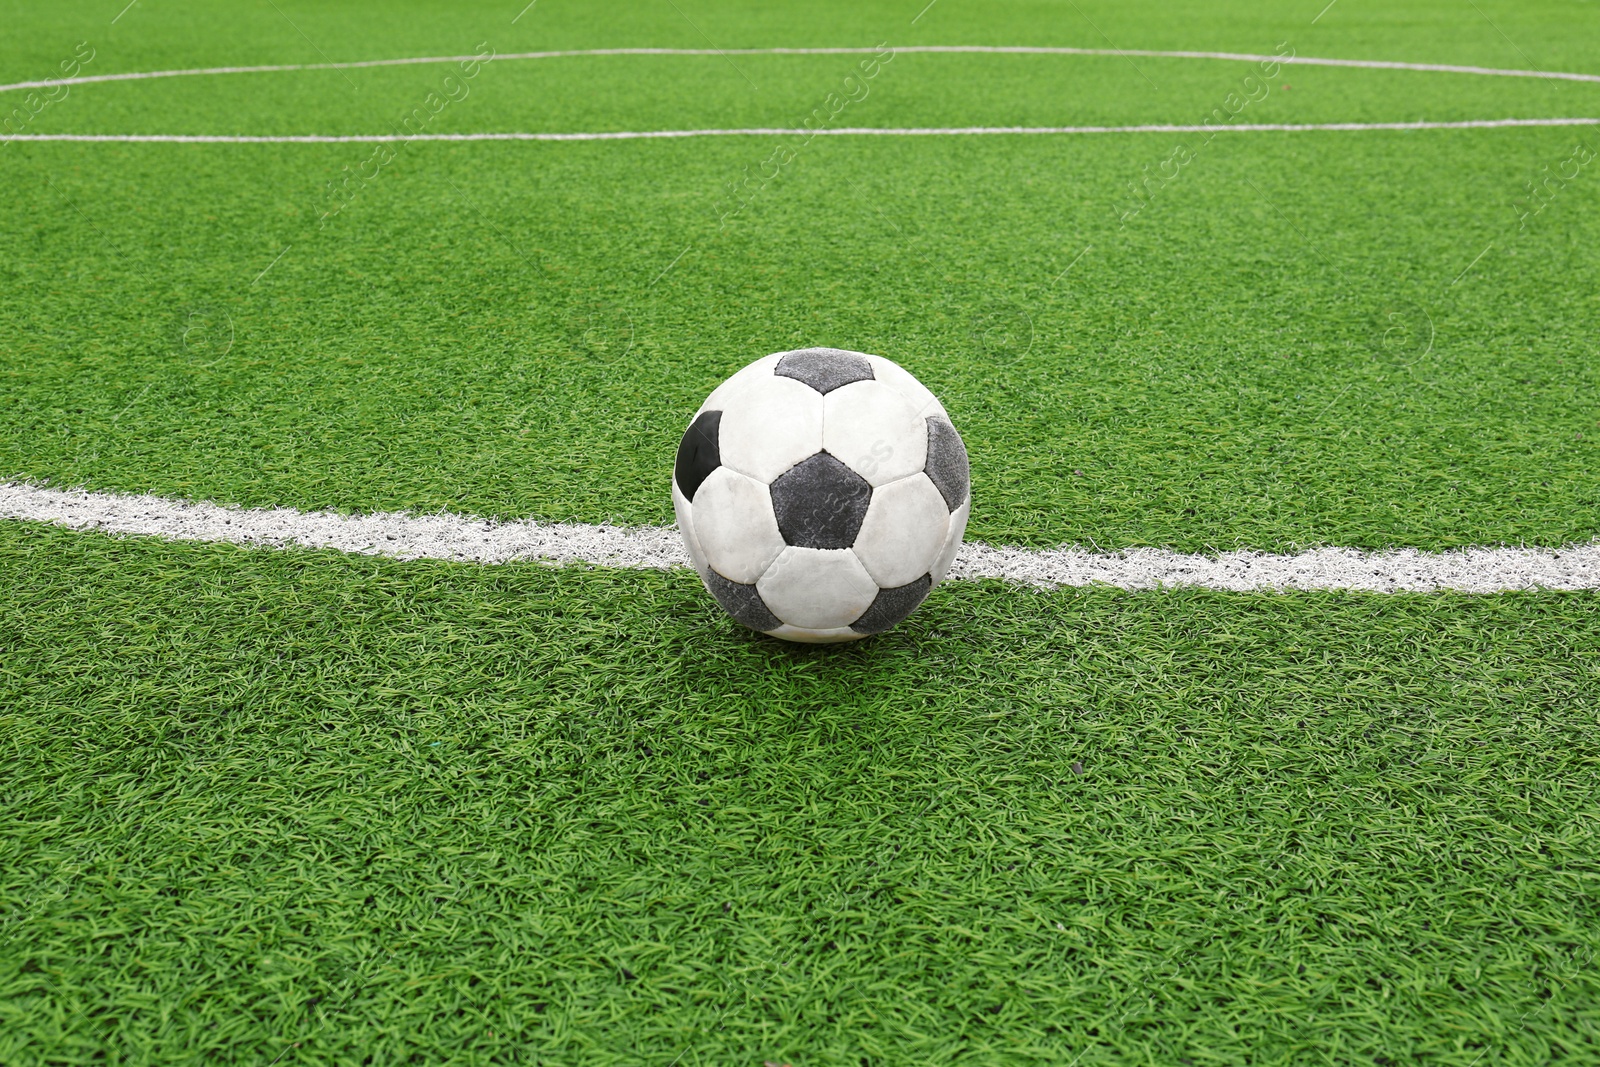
(776,131)
(476,540)
(1310,61)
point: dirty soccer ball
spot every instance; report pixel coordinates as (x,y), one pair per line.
(821,494)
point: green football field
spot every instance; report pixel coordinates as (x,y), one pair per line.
(303,807)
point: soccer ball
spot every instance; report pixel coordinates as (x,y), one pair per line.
(821,494)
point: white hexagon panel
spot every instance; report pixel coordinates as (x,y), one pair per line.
(875,431)
(768,425)
(902,381)
(817,588)
(821,494)
(734,524)
(904,530)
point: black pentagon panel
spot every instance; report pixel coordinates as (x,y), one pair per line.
(820,503)
(743,602)
(824,369)
(891,606)
(947,461)
(698,453)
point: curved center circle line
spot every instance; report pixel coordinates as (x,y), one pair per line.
(843,131)
(1313,61)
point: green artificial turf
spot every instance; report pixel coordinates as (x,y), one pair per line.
(1285,347)
(344,810)
(293,807)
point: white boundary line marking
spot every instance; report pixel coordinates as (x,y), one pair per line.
(476,540)
(778,131)
(1310,61)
